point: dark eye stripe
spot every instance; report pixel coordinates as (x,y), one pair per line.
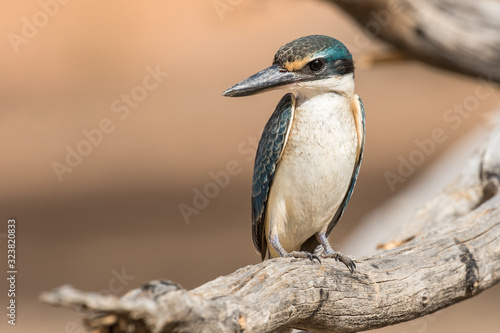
(344,66)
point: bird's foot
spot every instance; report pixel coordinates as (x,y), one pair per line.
(275,243)
(303,254)
(340,257)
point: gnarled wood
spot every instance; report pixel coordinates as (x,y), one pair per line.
(459,35)
(453,253)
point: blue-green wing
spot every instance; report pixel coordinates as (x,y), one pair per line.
(359,117)
(271,146)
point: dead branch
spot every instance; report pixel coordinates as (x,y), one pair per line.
(458,35)
(448,252)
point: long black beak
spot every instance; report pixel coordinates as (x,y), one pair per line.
(267,79)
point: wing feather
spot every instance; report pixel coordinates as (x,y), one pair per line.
(271,146)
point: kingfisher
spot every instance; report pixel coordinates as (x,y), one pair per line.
(311,148)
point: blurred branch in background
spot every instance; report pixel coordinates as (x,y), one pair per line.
(448,252)
(458,35)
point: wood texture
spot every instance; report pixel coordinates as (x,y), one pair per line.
(458,35)
(453,253)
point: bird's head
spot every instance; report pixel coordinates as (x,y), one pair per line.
(314,62)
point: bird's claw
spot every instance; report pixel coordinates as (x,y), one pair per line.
(339,257)
(304,254)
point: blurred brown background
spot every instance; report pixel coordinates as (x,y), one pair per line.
(117,211)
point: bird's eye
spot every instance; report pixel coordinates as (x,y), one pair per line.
(316,65)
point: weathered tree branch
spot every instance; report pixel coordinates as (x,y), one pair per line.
(459,35)
(453,253)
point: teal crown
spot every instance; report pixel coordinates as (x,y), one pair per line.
(296,54)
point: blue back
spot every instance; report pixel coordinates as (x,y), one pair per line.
(272,143)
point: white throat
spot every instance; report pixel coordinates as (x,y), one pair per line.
(342,85)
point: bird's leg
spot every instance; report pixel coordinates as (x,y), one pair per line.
(276,245)
(330,253)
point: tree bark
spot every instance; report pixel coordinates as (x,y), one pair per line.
(458,35)
(448,252)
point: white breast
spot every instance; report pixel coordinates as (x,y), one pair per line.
(315,169)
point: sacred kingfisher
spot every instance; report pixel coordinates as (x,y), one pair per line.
(310,151)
